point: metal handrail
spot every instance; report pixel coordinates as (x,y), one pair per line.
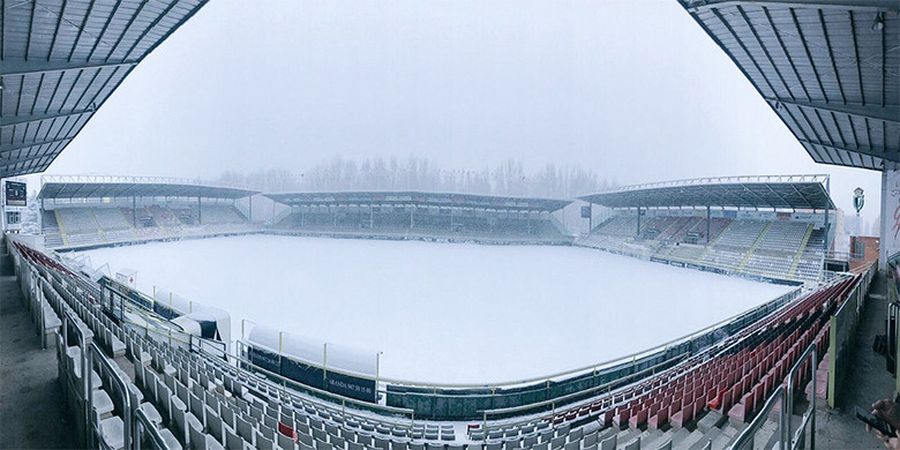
(120,382)
(143,426)
(809,418)
(788,440)
(746,436)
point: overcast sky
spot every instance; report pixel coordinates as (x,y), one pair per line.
(633,89)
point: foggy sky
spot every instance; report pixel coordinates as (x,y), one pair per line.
(633,89)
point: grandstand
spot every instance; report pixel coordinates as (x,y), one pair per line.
(87,212)
(422,215)
(772,227)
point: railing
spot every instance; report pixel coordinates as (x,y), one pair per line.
(745,439)
(788,439)
(68,318)
(92,352)
(143,427)
(796,439)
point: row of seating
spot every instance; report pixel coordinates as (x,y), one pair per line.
(726,379)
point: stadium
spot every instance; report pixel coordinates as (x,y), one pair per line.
(703,313)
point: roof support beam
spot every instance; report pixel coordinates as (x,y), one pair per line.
(22,67)
(694,6)
(874,152)
(8,148)
(14,161)
(877,112)
(19,120)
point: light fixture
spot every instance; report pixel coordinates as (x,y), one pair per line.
(878,24)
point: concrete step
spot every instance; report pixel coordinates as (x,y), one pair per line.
(689,441)
(712,419)
(710,435)
(766,436)
(653,439)
(679,436)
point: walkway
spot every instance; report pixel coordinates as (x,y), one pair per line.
(867,382)
(32,406)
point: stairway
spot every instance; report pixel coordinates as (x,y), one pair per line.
(796,262)
(753,247)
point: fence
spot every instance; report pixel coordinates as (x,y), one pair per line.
(843,329)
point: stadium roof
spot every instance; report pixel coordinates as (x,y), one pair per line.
(796,192)
(69,187)
(829,68)
(418,198)
(61,59)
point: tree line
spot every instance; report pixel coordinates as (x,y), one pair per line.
(422,174)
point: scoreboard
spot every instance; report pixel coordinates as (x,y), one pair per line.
(15,193)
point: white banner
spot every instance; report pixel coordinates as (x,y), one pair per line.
(890,214)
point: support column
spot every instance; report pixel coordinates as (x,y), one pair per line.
(133,211)
(708,224)
(250,209)
(638,234)
(886,221)
(827,209)
(371,217)
(199,211)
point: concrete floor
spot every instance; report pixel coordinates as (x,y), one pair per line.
(32,408)
(867,382)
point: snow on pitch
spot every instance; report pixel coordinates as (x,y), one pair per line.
(446,312)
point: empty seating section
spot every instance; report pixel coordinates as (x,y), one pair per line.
(218,214)
(89,225)
(111,219)
(741,234)
(787,250)
(617,226)
(77,220)
(163,217)
(423,222)
(199,401)
(784,237)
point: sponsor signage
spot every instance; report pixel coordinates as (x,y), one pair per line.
(311,375)
(15,193)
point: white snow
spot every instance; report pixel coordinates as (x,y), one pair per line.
(446,312)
